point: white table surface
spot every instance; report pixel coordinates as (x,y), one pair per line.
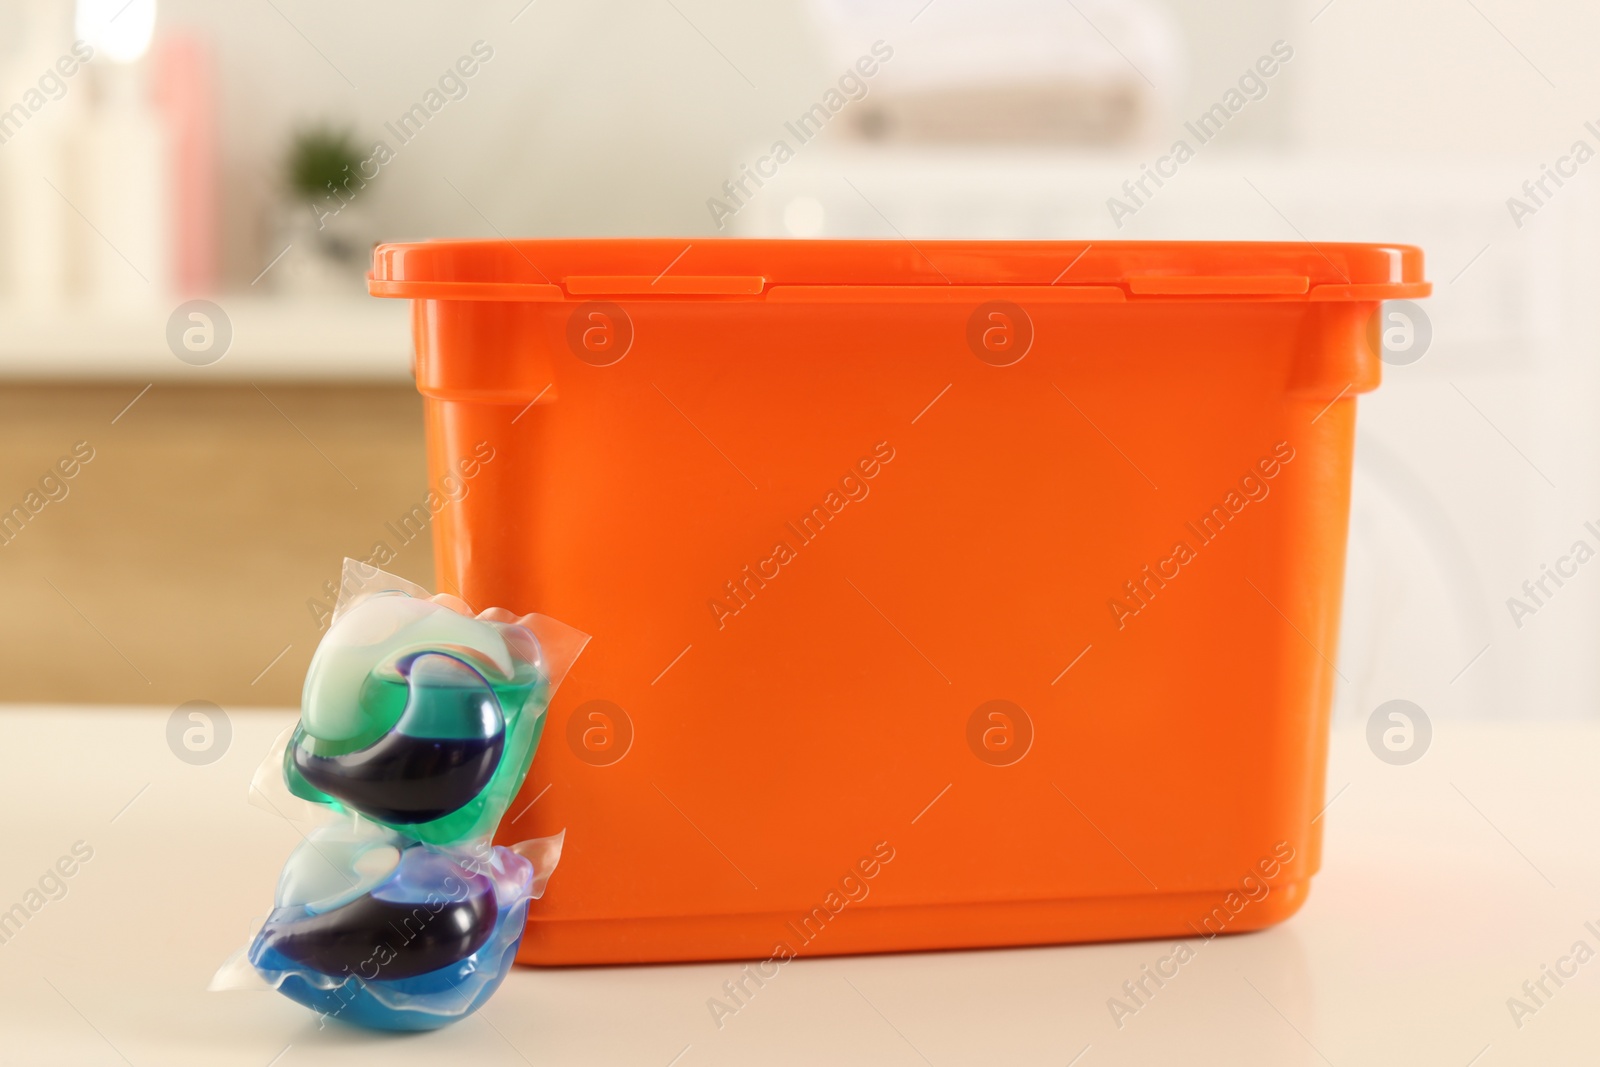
(1446,884)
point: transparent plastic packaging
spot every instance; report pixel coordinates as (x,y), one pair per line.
(418,723)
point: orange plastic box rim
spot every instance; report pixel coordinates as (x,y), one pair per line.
(1108,271)
(943,593)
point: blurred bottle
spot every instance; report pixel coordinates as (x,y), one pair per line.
(35,123)
(122,158)
(122,192)
(185,96)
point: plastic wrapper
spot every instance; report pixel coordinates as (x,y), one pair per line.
(418,723)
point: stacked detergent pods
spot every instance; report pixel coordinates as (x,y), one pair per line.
(418,723)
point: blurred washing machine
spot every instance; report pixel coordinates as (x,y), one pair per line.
(1476,462)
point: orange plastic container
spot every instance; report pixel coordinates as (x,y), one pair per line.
(943,593)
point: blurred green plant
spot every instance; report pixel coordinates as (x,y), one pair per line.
(321,159)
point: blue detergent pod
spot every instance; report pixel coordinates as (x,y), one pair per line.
(377,930)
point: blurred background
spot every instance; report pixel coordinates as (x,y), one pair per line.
(225,455)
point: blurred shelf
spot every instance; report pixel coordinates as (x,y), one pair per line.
(274,338)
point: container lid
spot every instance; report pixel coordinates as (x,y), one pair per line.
(817,270)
